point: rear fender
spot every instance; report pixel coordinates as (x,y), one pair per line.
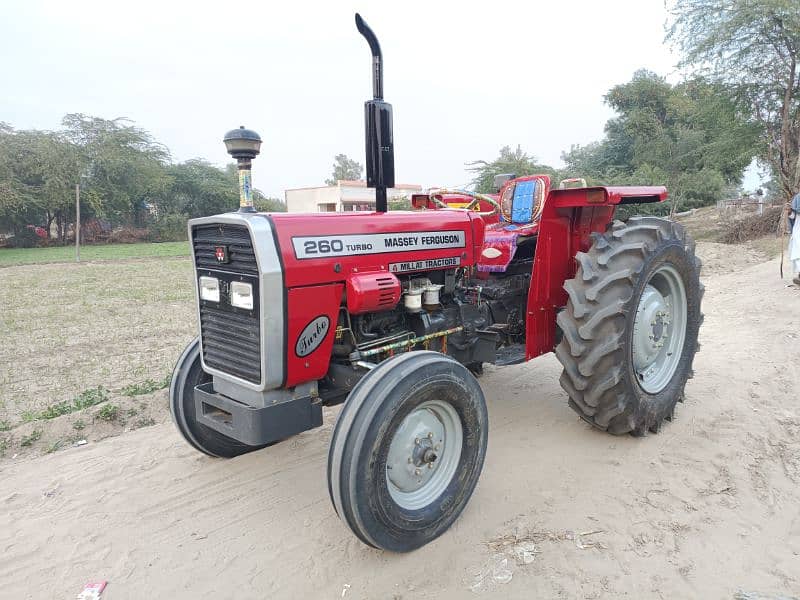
(607,195)
(569,218)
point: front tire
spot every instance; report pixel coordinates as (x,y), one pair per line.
(630,326)
(407,450)
(187,375)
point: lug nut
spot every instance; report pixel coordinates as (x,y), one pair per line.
(417,471)
(416,441)
(430,435)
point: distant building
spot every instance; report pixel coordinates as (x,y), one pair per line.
(345,196)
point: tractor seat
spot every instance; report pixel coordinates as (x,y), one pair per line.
(522,199)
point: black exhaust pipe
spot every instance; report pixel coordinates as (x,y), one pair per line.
(378,125)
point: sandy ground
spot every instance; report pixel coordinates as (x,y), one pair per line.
(709,508)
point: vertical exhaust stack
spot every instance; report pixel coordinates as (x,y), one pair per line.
(378,125)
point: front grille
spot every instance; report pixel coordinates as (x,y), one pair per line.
(206,238)
(231,342)
(231,337)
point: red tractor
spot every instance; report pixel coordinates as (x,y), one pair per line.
(394,314)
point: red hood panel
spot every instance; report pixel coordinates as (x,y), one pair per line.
(327,247)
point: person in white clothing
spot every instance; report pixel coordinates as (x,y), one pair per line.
(794,239)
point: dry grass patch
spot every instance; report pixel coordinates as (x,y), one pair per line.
(77,336)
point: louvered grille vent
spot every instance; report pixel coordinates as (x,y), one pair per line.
(241,257)
(386,295)
(231,339)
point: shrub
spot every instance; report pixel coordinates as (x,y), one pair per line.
(25,238)
(28,440)
(85,399)
(109,413)
(90,397)
(169,228)
(128,235)
(55,410)
(147,386)
(55,446)
(752,227)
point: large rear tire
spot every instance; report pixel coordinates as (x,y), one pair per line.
(187,375)
(630,326)
(407,450)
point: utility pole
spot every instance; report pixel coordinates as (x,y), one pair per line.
(77,222)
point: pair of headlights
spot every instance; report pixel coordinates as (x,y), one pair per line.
(241,292)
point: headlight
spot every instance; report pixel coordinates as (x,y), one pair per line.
(242,295)
(209,288)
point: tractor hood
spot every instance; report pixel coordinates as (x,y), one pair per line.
(328,247)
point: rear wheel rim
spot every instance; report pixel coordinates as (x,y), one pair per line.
(659,329)
(424,454)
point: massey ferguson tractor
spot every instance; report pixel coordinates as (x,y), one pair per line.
(395,313)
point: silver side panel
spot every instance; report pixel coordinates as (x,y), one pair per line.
(271,302)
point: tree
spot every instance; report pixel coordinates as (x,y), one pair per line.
(266,204)
(688,137)
(196,188)
(125,166)
(510,161)
(125,177)
(344,168)
(38,172)
(753,48)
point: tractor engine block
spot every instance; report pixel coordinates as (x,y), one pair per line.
(469,321)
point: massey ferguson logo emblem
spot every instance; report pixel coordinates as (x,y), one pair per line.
(221,252)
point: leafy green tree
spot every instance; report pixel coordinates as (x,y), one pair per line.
(689,137)
(196,188)
(124,165)
(753,48)
(344,168)
(37,179)
(514,161)
(267,204)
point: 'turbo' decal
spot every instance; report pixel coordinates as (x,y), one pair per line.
(312,336)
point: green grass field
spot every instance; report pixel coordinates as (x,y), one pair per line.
(27,256)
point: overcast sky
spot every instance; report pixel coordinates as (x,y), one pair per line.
(464,78)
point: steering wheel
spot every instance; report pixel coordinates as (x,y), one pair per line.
(476,199)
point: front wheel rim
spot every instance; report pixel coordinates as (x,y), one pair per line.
(424,454)
(659,329)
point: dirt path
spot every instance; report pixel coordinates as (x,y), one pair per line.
(709,508)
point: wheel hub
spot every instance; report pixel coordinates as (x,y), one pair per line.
(659,329)
(413,455)
(651,328)
(423,454)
